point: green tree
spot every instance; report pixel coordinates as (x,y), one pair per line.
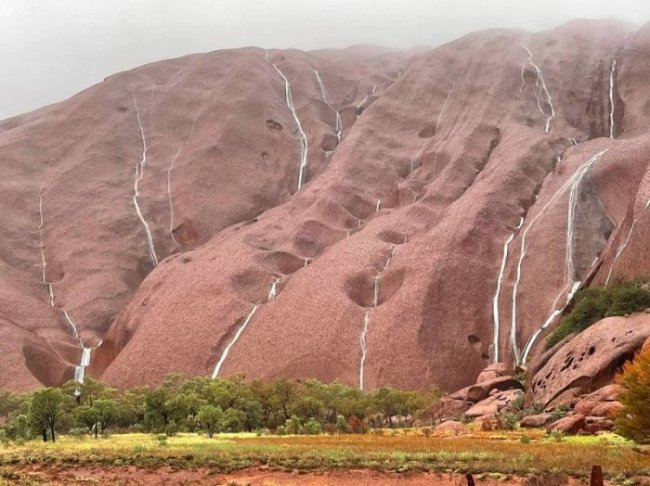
(284,393)
(161,405)
(9,403)
(44,411)
(211,419)
(388,402)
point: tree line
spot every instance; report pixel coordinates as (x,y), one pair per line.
(209,406)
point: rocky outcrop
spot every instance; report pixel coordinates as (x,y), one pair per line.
(601,403)
(494,404)
(590,360)
(571,425)
(536,421)
(495,371)
(374,216)
(450,427)
(482,389)
(594,425)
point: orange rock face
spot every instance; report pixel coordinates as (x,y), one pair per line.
(380,217)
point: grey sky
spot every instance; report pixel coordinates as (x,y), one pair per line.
(51,49)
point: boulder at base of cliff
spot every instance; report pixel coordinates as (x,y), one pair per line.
(494,371)
(601,403)
(450,427)
(493,404)
(537,421)
(593,425)
(591,359)
(570,425)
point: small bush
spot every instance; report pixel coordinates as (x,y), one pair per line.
(524,439)
(557,435)
(312,427)
(355,425)
(172,428)
(293,426)
(342,424)
(596,303)
(78,432)
(560,412)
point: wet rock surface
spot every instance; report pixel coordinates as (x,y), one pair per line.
(437,231)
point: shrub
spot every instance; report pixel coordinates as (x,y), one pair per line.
(634,420)
(557,435)
(292,425)
(172,428)
(342,424)
(593,304)
(312,427)
(510,420)
(524,439)
(559,412)
(355,425)
(78,432)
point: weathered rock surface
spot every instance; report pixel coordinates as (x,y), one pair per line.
(539,420)
(591,359)
(450,427)
(482,390)
(569,425)
(601,403)
(593,425)
(494,371)
(396,235)
(492,405)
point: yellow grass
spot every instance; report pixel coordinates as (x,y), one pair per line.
(404,451)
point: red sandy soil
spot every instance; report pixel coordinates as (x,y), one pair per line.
(164,476)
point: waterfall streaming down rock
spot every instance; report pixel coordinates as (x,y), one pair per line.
(139,174)
(85,352)
(619,251)
(274,289)
(612,104)
(80,370)
(326,99)
(376,290)
(574,282)
(497,294)
(544,101)
(301,134)
(232,342)
(364,349)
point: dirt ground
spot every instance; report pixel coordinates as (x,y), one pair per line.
(119,475)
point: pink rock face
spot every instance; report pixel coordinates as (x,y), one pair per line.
(444,212)
(535,421)
(450,427)
(493,404)
(590,360)
(593,425)
(570,425)
(494,371)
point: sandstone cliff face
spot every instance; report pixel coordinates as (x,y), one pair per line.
(450,204)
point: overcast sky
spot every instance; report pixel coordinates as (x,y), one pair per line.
(51,49)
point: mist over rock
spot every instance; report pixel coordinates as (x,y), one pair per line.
(375,216)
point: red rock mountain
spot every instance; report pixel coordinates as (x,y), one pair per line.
(381,217)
